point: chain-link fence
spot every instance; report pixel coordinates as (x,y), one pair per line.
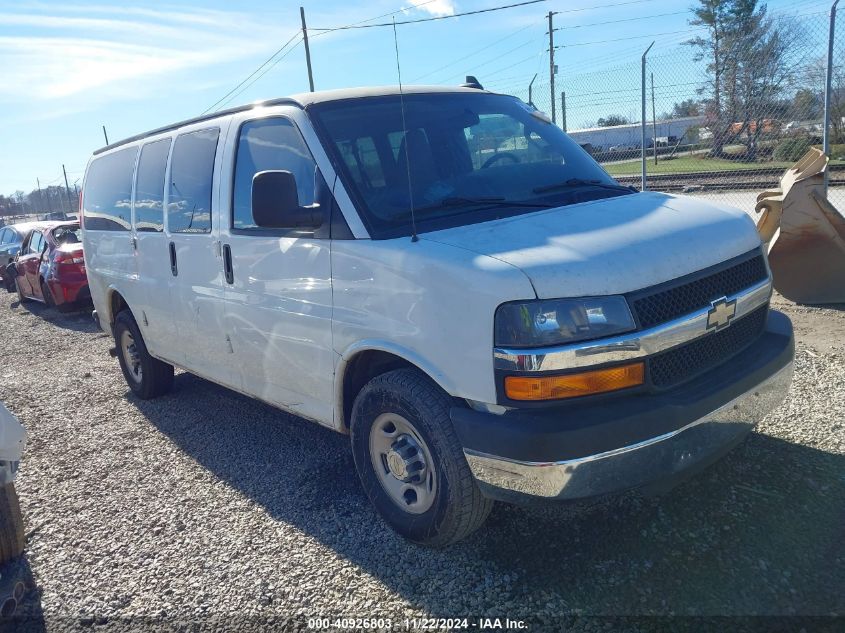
(720,123)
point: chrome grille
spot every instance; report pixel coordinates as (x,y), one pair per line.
(665,305)
(686,361)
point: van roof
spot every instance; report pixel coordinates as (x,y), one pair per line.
(301,100)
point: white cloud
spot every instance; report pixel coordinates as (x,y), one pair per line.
(436,8)
(50,56)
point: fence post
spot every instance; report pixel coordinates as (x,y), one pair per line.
(642,148)
(827,87)
(563,110)
(530,88)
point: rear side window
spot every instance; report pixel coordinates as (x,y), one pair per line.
(149,186)
(108,191)
(36,242)
(270,144)
(191,171)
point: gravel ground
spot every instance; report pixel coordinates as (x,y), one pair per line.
(205,506)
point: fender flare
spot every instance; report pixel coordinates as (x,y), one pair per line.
(378,345)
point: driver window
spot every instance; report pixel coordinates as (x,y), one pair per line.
(271,144)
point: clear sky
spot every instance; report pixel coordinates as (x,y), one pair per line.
(68,67)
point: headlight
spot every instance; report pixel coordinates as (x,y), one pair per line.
(555,321)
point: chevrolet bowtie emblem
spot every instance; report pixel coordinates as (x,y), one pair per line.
(720,314)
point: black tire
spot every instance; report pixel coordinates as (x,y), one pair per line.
(458,507)
(47,294)
(11,524)
(156,377)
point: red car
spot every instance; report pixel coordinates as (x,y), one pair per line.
(50,266)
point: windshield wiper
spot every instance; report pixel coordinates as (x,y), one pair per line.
(493,201)
(580,182)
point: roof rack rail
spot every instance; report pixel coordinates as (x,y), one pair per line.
(199,119)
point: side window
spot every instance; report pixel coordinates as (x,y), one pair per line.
(108,191)
(149,186)
(191,172)
(270,144)
(4,236)
(35,242)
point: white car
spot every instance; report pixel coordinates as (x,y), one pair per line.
(444,275)
(12,444)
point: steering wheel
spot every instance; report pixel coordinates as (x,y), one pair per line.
(495,158)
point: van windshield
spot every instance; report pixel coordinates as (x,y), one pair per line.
(459,158)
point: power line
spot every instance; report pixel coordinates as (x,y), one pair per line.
(602,6)
(234,91)
(498,57)
(474,53)
(622,39)
(266,70)
(642,17)
(383,15)
(432,19)
(252,74)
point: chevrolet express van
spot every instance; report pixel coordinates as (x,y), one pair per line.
(444,275)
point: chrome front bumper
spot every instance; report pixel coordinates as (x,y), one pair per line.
(696,444)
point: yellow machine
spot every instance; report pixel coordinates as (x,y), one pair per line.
(805,234)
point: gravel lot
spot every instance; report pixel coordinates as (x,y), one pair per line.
(205,506)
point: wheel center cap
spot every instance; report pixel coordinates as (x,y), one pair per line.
(397,465)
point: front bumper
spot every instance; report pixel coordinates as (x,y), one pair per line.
(604,445)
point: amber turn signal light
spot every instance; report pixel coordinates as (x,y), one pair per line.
(573,385)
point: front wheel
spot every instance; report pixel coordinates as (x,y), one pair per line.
(148,377)
(410,461)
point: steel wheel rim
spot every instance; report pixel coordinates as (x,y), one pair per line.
(402,463)
(131,357)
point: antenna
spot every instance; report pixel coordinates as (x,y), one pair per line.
(414,237)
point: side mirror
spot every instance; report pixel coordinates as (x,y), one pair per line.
(275,203)
(11,270)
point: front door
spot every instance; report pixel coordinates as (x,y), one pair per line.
(29,261)
(278,294)
(196,273)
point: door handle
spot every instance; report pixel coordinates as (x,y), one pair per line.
(174,269)
(227,264)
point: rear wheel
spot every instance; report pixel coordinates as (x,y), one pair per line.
(11,524)
(148,377)
(410,461)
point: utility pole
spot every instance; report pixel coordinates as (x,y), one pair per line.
(67,188)
(563,110)
(40,197)
(307,49)
(827,88)
(552,64)
(105,134)
(653,121)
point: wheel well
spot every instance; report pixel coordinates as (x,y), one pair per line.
(361,369)
(116,304)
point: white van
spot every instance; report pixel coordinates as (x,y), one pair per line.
(447,277)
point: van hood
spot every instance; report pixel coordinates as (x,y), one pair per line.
(610,246)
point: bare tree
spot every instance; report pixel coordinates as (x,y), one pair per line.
(748,68)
